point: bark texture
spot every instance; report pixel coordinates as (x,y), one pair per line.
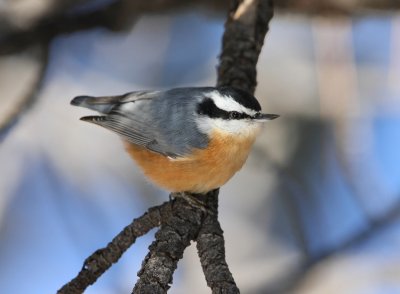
(179,226)
(243,39)
(101,260)
(211,250)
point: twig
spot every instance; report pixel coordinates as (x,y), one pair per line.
(96,264)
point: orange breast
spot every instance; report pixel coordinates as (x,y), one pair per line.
(204,170)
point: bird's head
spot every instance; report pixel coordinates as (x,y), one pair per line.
(230,110)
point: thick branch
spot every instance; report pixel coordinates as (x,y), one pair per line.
(211,250)
(243,39)
(179,226)
(100,261)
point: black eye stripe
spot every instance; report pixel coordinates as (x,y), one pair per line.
(208,107)
(238,115)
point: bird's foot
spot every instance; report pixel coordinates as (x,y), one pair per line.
(194,201)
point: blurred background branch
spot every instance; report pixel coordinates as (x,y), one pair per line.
(29,95)
(22,28)
(339,7)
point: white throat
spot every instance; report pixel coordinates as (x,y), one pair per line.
(240,127)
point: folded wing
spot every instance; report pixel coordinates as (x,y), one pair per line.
(128,116)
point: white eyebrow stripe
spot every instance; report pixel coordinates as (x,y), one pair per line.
(227,103)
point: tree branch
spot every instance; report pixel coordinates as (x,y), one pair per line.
(243,39)
(211,250)
(179,226)
(101,260)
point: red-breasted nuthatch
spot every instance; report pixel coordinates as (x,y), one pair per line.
(184,139)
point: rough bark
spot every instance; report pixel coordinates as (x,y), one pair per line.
(243,39)
(178,227)
(101,260)
(211,250)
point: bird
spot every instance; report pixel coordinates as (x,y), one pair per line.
(191,139)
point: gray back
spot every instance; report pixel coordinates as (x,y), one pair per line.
(164,123)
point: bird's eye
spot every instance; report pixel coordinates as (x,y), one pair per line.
(234,115)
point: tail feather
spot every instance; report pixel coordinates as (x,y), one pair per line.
(105,104)
(99,104)
(93,118)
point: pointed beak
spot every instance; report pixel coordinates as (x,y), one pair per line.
(262,117)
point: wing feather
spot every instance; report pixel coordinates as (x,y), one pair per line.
(131,130)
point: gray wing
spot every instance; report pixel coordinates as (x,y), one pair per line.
(134,131)
(146,119)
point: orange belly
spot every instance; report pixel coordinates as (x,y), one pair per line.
(204,170)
